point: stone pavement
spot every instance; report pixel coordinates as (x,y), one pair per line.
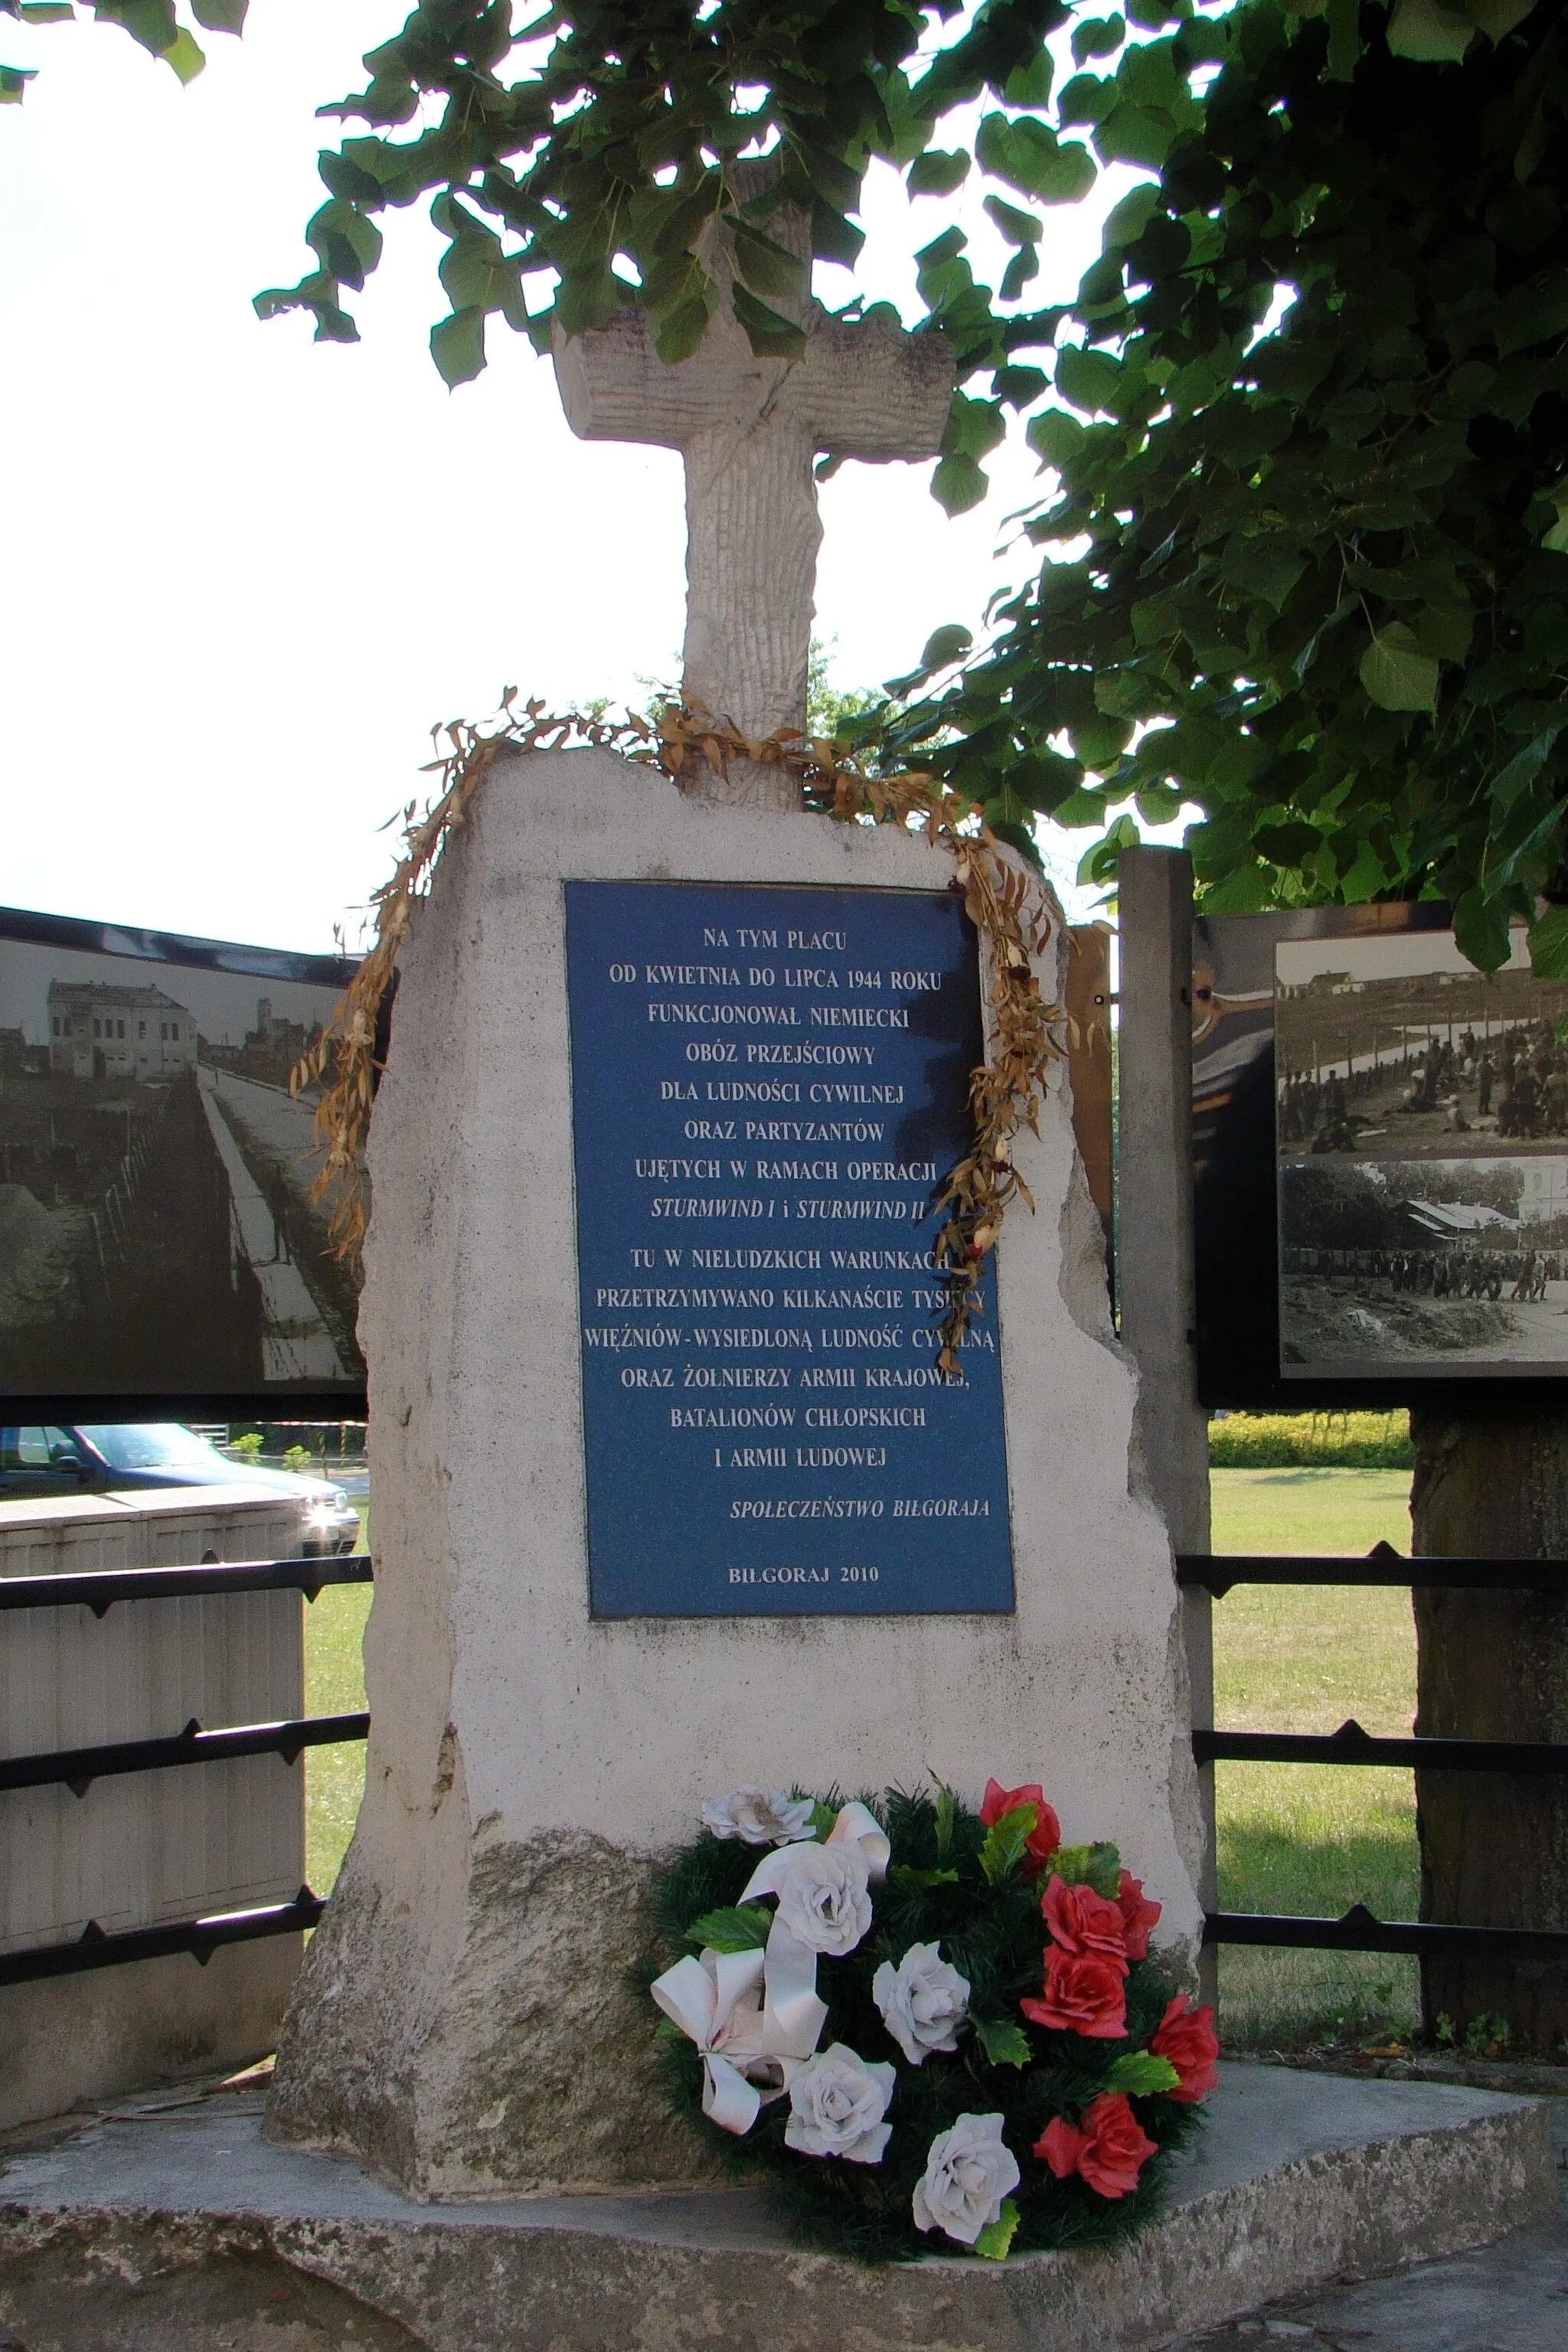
(170,2226)
(1511,2297)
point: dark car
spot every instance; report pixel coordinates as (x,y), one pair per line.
(130,1457)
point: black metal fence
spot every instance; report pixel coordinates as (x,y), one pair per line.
(78,1768)
(1359,1930)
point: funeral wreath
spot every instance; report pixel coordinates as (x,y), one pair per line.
(926,2029)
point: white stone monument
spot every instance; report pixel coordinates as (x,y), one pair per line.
(464,2020)
(750,431)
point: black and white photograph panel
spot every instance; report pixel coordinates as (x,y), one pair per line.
(1452,1268)
(159,1233)
(1397,1048)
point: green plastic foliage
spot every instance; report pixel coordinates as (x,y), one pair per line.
(1305,565)
(1139,2072)
(744,1928)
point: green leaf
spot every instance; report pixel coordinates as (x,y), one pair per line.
(1025,264)
(946,1812)
(1136,134)
(1482,929)
(680,330)
(958,484)
(770,334)
(1394,671)
(1101,36)
(14,81)
(822,1819)
(1091,380)
(1030,158)
(936,173)
(1056,436)
(744,1929)
(220,15)
(45,12)
(458,347)
(942,648)
(973,427)
(1029,85)
(1524,767)
(1098,1867)
(1018,229)
(909,1876)
(1549,945)
(1005,1840)
(994,2241)
(1126,222)
(184,56)
(1429,32)
(1267,565)
(767,266)
(1004,2044)
(152,23)
(1140,2073)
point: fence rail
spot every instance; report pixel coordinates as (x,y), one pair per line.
(78,1768)
(1351,1745)
(1358,1930)
(200,1937)
(100,1589)
(1217,1572)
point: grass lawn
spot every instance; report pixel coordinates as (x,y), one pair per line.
(334,1685)
(1292,1837)
(1298,1837)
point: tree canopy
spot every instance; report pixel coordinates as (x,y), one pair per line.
(1313,578)
(160,27)
(1307,417)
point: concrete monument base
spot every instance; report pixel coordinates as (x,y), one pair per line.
(464,2020)
(1297,2182)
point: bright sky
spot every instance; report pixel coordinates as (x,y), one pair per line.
(247,574)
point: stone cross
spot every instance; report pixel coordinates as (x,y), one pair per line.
(749,430)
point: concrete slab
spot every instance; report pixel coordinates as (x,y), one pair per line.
(1301,2181)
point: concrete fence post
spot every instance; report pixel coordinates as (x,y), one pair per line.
(1154,1256)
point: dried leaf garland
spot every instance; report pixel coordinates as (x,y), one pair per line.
(1007,907)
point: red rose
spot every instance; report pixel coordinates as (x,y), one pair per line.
(1107,2151)
(1082,1921)
(1047,1834)
(1083,1993)
(1186,2037)
(1137,1915)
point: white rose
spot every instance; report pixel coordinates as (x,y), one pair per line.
(837,2104)
(824,1893)
(759,1816)
(923,2002)
(968,2173)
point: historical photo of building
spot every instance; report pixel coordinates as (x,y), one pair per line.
(159,1236)
(1421,1122)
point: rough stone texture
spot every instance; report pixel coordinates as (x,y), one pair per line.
(459,2020)
(143,2289)
(749,430)
(1299,2180)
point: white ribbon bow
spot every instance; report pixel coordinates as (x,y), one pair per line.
(714,1998)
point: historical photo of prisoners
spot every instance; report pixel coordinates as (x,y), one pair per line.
(1422,1122)
(158,1231)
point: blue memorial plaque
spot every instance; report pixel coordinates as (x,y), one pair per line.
(768,1086)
